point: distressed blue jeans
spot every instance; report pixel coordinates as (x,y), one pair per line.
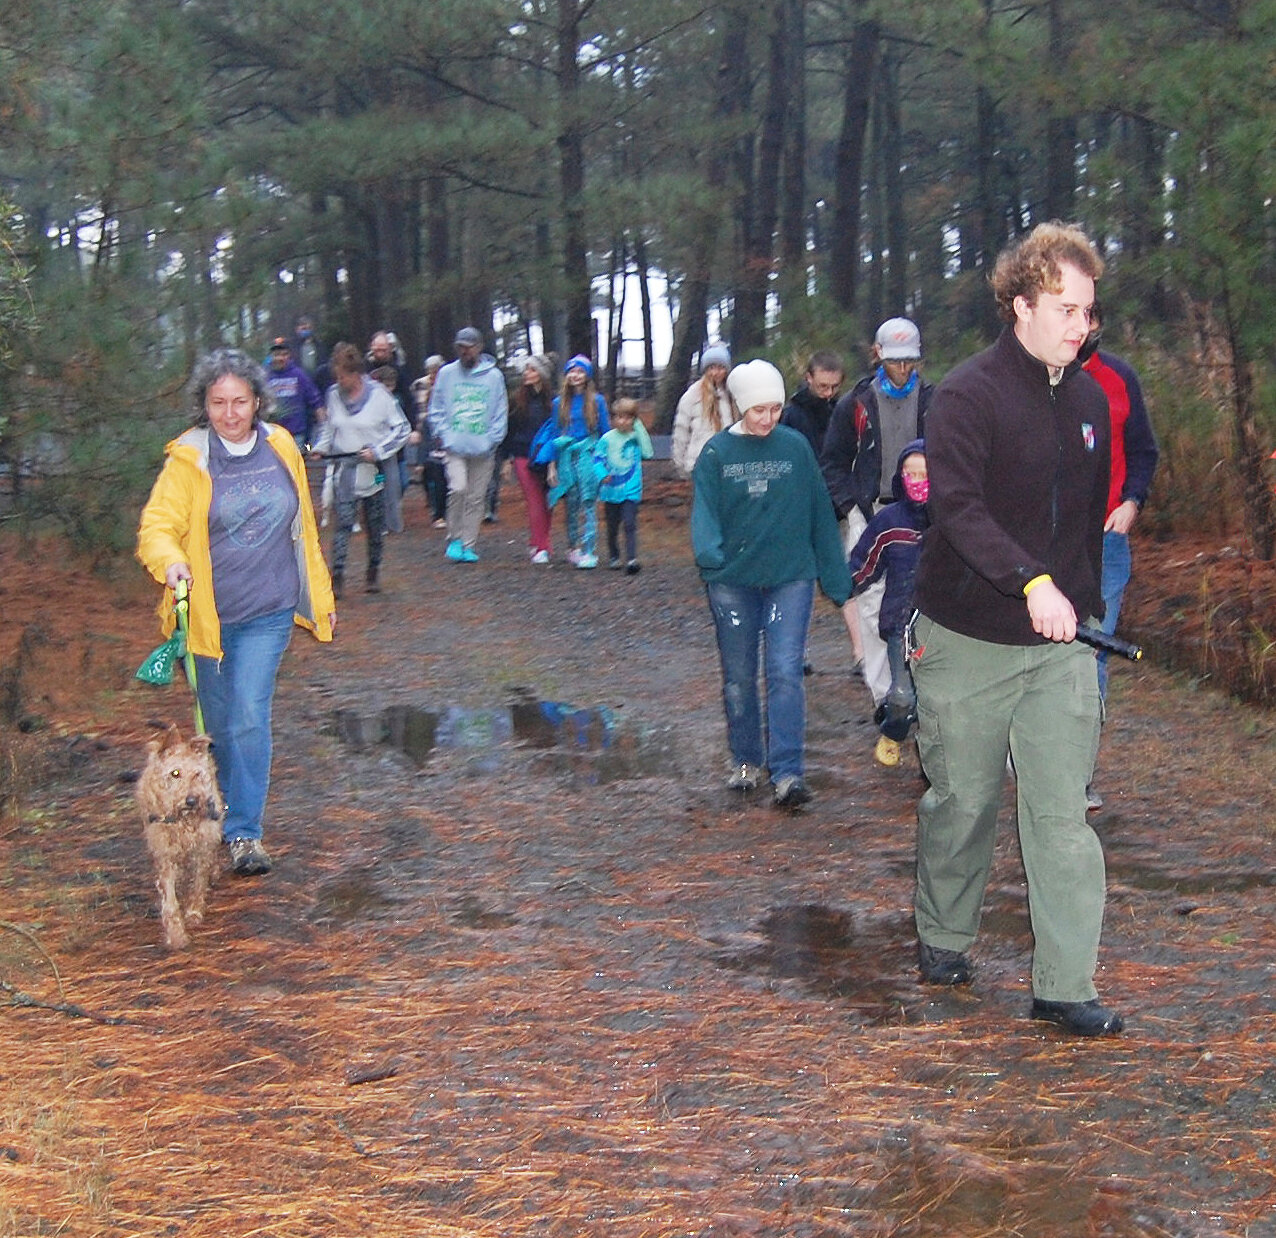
(778,617)
(236,695)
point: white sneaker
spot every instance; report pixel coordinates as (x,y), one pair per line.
(541,556)
(587,561)
(573,557)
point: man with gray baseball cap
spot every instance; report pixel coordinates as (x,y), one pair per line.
(870,426)
(469,409)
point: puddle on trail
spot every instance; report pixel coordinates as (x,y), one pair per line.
(586,739)
(820,947)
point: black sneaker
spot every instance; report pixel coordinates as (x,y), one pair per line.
(1080,1018)
(633,567)
(940,966)
(248,857)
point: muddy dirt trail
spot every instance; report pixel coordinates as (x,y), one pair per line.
(525,968)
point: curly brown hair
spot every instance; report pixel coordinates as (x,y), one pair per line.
(1031,265)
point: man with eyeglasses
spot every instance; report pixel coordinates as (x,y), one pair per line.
(811,406)
(1018,449)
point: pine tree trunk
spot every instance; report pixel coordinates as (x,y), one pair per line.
(793,252)
(759,206)
(571,164)
(894,215)
(861,63)
(693,306)
(1061,126)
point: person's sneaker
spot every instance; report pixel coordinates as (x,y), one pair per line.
(469,555)
(455,551)
(1093,800)
(887,751)
(490,518)
(1080,1018)
(940,966)
(573,557)
(790,791)
(356,527)
(744,777)
(438,523)
(633,567)
(614,563)
(587,561)
(248,857)
(540,556)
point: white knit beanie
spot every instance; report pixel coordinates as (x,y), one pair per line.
(755,382)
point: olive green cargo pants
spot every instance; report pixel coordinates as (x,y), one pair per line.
(976,701)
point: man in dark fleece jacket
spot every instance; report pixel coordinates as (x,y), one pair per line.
(1018,452)
(809,410)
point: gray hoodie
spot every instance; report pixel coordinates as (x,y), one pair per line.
(469,408)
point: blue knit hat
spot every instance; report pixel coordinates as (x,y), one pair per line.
(715,354)
(580,362)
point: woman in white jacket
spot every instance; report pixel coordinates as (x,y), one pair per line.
(705,408)
(363,428)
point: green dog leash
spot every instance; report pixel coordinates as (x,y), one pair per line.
(182,606)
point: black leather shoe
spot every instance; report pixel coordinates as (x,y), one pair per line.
(940,966)
(1080,1018)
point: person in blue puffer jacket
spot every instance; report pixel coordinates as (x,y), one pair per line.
(565,443)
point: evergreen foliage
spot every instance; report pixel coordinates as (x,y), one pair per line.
(188,174)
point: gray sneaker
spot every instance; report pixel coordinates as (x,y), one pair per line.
(744,777)
(248,857)
(790,791)
(1093,800)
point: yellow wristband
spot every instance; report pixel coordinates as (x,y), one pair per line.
(1034,582)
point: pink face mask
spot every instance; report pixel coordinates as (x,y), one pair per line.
(918,491)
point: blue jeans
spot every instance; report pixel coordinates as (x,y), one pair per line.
(900,705)
(1116,575)
(236,696)
(779,616)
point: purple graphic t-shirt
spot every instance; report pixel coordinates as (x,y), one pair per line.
(250,532)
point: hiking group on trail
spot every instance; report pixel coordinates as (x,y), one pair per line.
(965,529)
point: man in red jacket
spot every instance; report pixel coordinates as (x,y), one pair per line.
(1134,457)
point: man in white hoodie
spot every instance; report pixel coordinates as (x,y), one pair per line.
(469,408)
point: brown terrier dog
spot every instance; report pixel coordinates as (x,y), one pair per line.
(181,812)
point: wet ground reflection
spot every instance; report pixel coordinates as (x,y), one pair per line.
(820,948)
(587,739)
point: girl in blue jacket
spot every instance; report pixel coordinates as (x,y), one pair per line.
(566,444)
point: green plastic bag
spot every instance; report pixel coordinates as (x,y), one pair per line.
(159,663)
